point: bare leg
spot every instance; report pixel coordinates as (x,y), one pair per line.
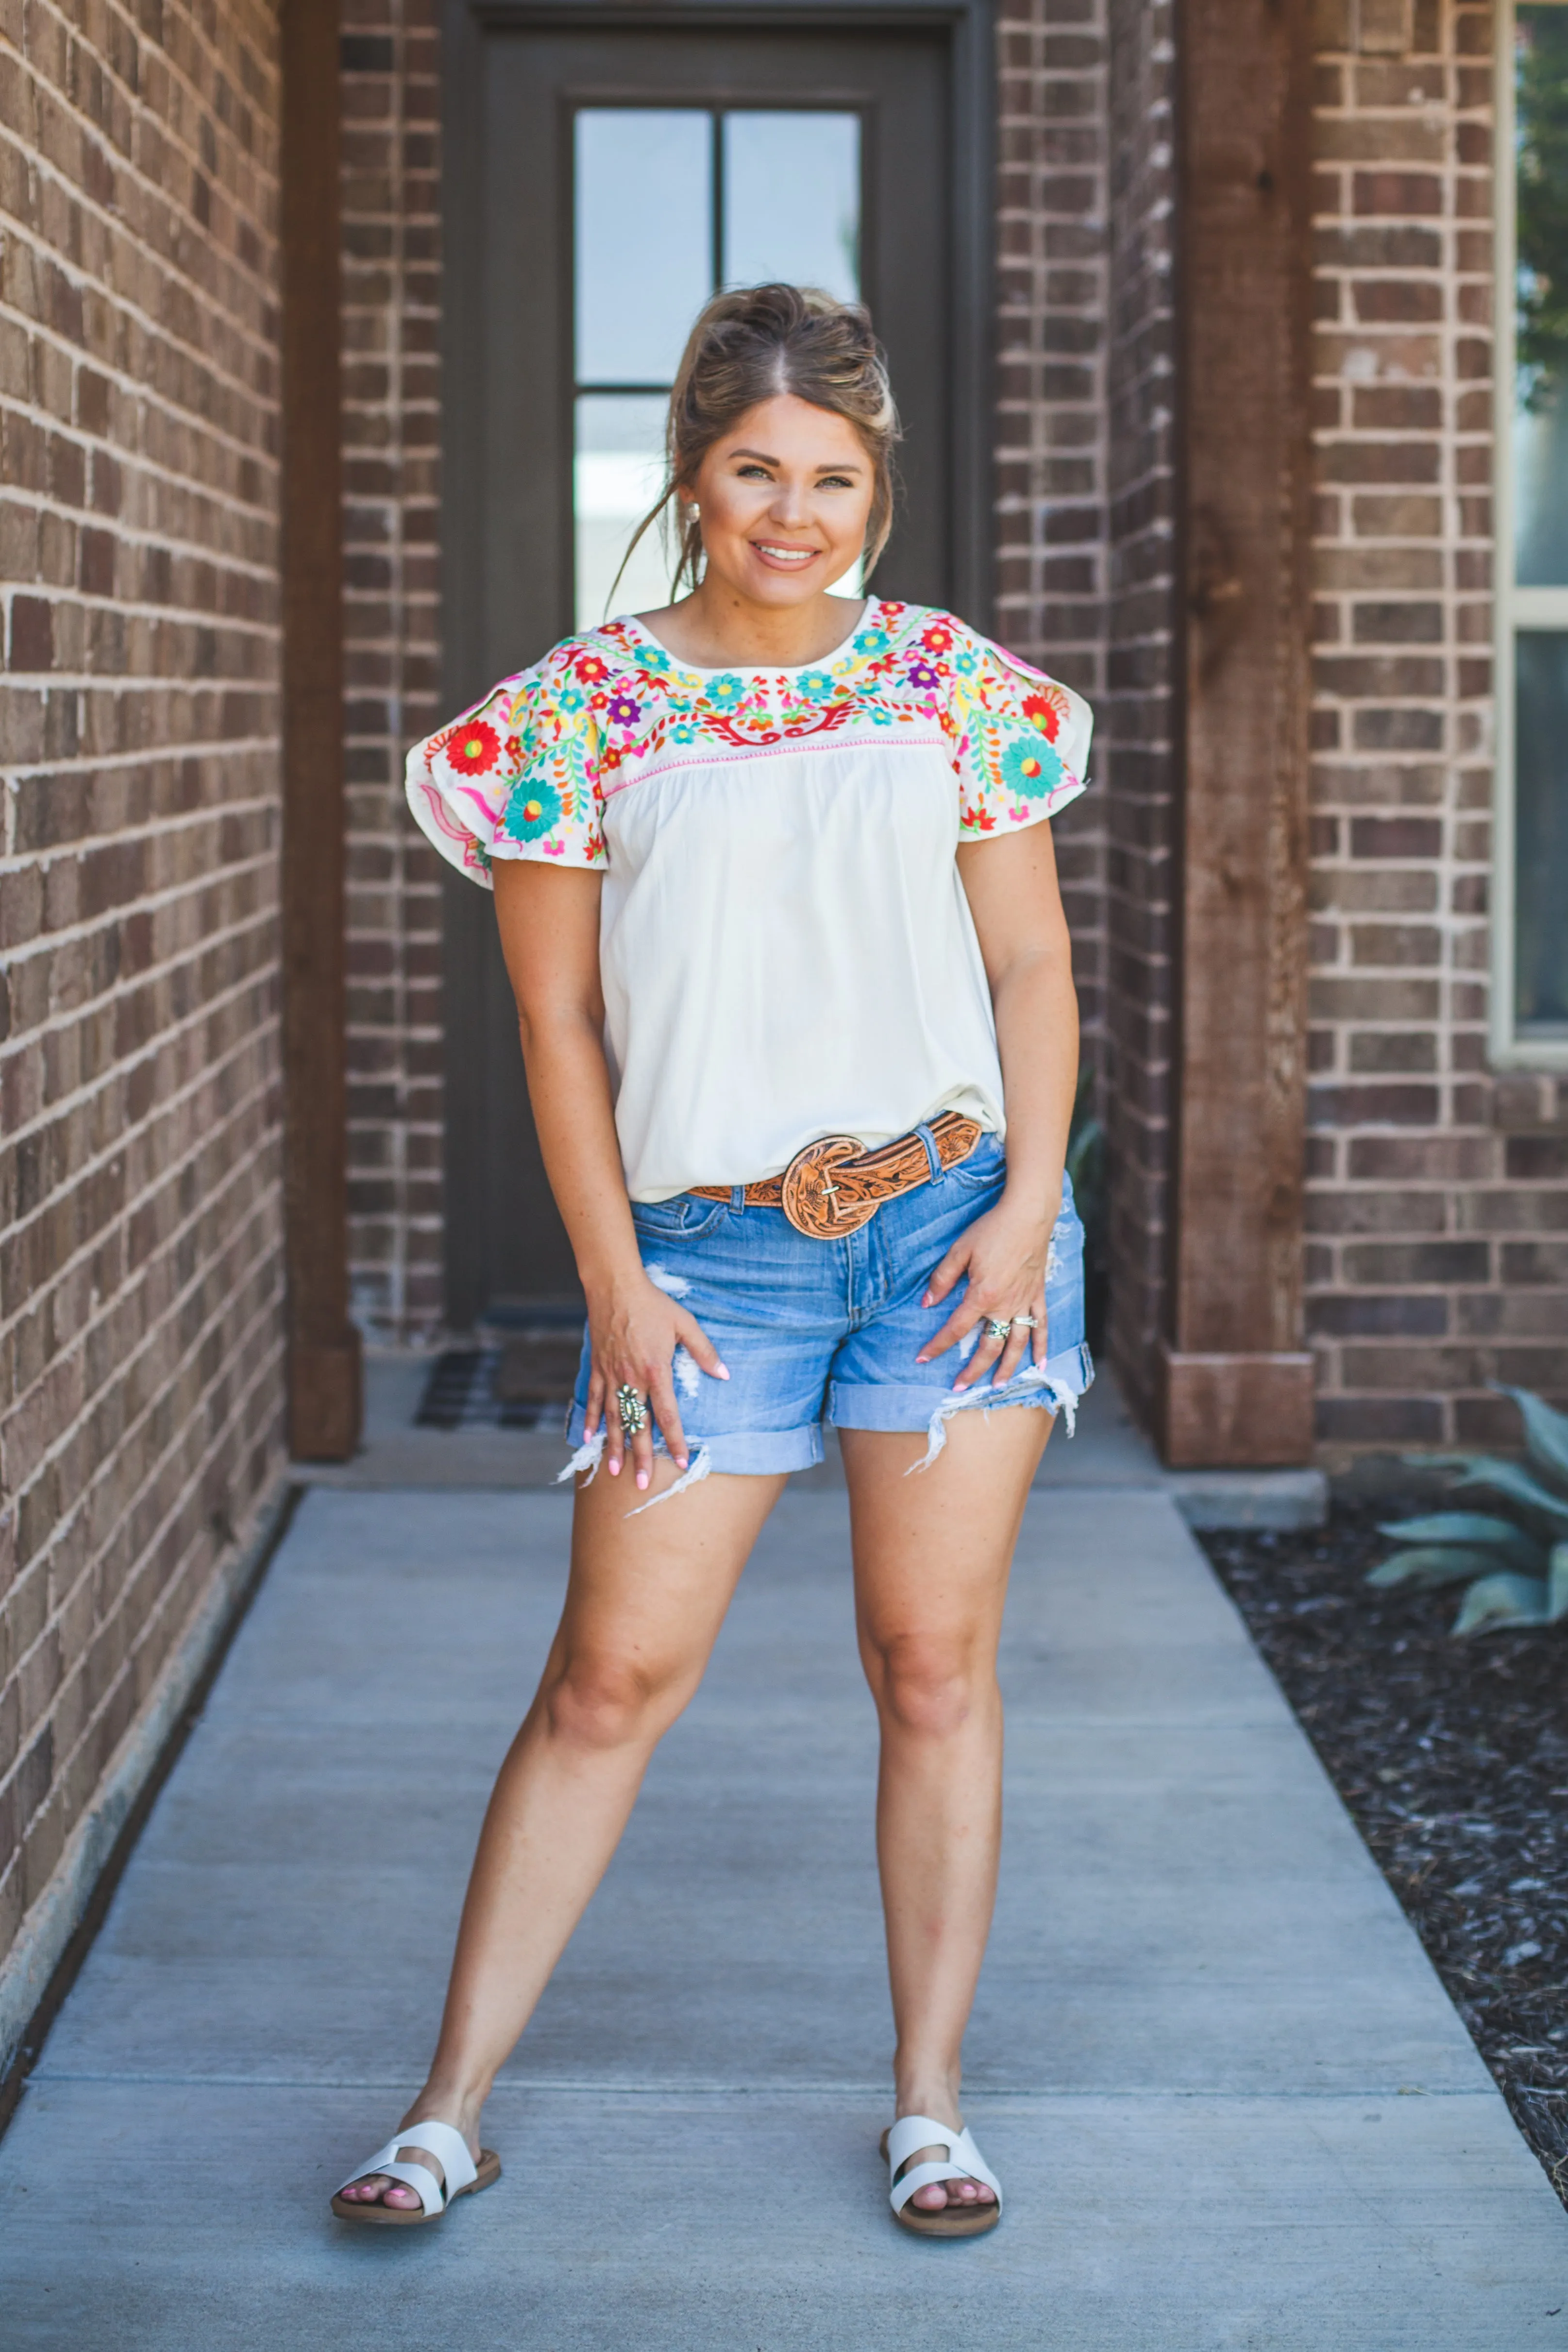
(932,1555)
(645,1600)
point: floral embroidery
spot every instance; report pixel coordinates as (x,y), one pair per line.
(533,810)
(473,748)
(1031,768)
(529,771)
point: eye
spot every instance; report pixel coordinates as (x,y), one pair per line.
(752,472)
(835,482)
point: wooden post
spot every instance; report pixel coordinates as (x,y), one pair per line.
(323,1345)
(1237,1384)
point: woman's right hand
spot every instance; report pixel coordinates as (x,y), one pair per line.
(633,1331)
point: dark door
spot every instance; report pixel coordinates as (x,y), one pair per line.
(601,183)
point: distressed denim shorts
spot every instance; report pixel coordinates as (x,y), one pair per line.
(814,1330)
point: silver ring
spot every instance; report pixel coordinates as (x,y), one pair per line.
(1026,1322)
(996,1330)
(633,1410)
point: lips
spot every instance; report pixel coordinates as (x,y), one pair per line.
(792,559)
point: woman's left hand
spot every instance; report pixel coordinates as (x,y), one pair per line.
(1004,1254)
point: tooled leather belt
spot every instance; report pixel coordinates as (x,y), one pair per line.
(833,1186)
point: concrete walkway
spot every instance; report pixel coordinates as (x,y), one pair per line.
(1230,2102)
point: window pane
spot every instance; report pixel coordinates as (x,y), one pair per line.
(792,199)
(620,466)
(1541,820)
(1541,491)
(644,239)
(1540,299)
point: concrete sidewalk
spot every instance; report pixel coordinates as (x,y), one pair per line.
(1230,2102)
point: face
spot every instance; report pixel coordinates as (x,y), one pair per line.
(784,499)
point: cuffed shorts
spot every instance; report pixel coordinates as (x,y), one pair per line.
(814,1330)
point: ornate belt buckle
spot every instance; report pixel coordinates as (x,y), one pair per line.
(813,1203)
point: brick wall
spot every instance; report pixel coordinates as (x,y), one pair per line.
(1438,1212)
(1139,717)
(392,431)
(1051,506)
(140,1201)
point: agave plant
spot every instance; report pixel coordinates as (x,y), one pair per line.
(1515,1570)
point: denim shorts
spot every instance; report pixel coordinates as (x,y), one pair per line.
(814,1330)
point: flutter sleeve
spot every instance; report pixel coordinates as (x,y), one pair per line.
(517,776)
(1022,740)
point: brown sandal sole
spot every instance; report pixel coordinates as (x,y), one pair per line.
(387,2216)
(954,2221)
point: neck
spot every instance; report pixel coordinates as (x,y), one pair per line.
(714,626)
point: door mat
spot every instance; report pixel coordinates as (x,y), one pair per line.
(524,1384)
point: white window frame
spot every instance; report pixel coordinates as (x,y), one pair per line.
(1514,608)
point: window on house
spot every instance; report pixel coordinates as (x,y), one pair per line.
(671,203)
(1530,965)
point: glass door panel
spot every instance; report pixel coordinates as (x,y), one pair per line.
(792,201)
(618,472)
(644,239)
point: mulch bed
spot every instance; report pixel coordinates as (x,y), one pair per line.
(1452,1756)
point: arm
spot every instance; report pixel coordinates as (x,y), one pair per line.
(1015,902)
(548,918)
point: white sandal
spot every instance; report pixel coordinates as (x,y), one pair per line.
(964,2162)
(463,2176)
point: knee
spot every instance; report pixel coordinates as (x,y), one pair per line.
(929,1687)
(601,1701)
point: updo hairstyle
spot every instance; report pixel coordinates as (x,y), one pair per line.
(749,345)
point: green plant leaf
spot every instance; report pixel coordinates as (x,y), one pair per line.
(1545,1433)
(1518,1549)
(1432,1564)
(1497,1601)
(1508,1478)
(1557,1585)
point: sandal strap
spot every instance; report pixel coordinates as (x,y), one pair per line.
(448,2145)
(450,2150)
(964,2160)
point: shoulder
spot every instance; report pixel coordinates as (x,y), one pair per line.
(990,680)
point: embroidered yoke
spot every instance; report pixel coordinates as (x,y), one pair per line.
(786,947)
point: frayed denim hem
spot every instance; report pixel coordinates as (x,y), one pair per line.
(741,1452)
(1053,1387)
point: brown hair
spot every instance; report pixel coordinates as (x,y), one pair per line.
(749,345)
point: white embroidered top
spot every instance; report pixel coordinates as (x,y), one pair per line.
(786,947)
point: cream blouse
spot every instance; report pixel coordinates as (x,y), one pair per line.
(786,947)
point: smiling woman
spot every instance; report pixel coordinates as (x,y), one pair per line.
(794,991)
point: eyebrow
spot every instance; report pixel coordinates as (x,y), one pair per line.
(833,466)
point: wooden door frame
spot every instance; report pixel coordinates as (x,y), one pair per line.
(1236,1382)
(465,23)
(322,1344)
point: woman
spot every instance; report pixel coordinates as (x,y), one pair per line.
(796,1002)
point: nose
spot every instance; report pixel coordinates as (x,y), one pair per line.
(789,509)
